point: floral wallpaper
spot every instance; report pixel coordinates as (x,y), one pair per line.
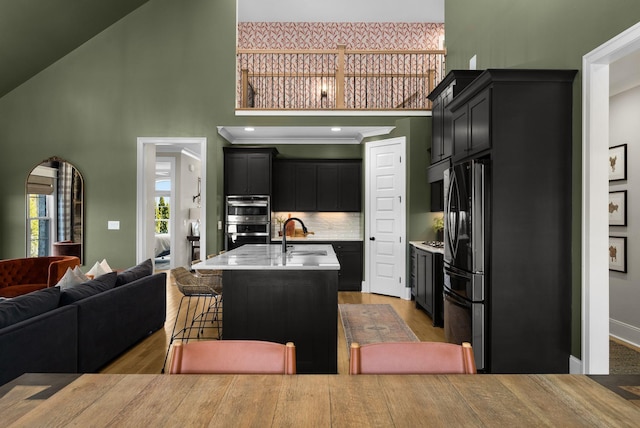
(302,81)
(327,35)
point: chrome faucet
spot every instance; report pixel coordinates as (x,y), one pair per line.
(284,228)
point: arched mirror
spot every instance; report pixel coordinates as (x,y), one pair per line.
(55,210)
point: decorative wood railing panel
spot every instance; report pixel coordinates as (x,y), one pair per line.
(338,79)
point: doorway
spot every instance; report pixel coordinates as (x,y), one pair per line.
(188,190)
(595,189)
(385,218)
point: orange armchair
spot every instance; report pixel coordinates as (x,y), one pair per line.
(412,358)
(233,356)
(22,276)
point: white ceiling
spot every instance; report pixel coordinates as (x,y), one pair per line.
(623,74)
(341,11)
(272,135)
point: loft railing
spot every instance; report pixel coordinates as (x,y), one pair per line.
(338,79)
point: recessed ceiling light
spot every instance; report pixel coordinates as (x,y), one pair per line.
(336,129)
(249,129)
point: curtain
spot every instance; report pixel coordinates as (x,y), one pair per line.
(65,174)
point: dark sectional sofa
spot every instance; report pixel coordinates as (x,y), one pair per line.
(82,328)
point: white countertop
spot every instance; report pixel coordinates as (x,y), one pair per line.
(312,238)
(269,257)
(423,246)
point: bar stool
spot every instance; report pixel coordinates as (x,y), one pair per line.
(202,299)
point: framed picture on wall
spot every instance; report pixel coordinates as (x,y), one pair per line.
(618,253)
(618,163)
(618,208)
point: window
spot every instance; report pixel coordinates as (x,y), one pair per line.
(40,224)
(162,205)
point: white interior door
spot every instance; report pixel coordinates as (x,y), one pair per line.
(385,245)
(146,164)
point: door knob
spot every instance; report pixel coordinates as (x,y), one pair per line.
(373,238)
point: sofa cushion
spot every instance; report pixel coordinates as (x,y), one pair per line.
(80,291)
(136,272)
(29,305)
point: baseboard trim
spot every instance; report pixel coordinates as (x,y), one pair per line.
(625,332)
(575,365)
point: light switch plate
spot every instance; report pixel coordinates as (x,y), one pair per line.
(113,225)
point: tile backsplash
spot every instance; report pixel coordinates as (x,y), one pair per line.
(325,225)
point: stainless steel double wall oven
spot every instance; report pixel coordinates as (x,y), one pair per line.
(248,220)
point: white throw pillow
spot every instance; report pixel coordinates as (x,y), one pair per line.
(69,279)
(105,266)
(96,270)
(79,274)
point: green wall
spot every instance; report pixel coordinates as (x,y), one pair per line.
(541,34)
(165,70)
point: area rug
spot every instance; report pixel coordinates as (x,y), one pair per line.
(372,324)
(622,359)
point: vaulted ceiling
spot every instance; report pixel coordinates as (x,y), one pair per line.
(36,33)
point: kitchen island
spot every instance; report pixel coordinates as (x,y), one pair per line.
(283,298)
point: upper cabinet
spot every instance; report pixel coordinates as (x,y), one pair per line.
(339,186)
(441,96)
(471,130)
(316,185)
(247,171)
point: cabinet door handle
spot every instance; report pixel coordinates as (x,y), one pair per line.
(373,238)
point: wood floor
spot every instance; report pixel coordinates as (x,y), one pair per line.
(148,355)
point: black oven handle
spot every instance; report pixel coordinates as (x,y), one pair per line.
(248,204)
(249,234)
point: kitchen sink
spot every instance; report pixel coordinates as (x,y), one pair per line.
(307,252)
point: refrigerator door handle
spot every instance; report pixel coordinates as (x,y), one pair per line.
(452,216)
(477,217)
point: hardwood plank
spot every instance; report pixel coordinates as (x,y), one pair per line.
(205,397)
(355,404)
(303,403)
(263,399)
(436,401)
(84,394)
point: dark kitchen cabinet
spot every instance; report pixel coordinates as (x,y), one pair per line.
(519,122)
(327,196)
(471,130)
(426,282)
(304,185)
(435,176)
(294,186)
(284,186)
(350,256)
(247,171)
(339,186)
(282,306)
(454,82)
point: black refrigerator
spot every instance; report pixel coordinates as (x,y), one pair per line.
(466,201)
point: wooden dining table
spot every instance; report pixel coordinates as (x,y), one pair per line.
(50,400)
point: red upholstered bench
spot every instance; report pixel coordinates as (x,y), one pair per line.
(22,276)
